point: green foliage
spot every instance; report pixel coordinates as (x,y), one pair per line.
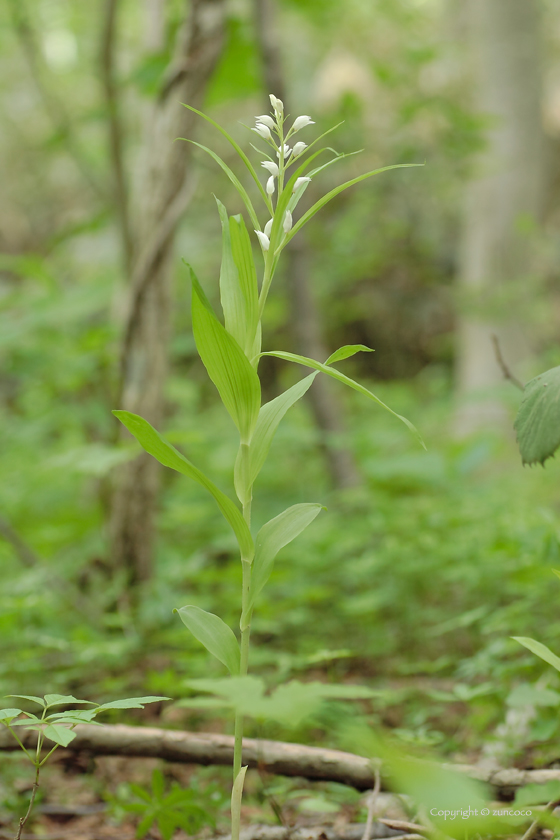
(169,809)
(538,420)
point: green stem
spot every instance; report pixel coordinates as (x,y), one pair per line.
(244,662)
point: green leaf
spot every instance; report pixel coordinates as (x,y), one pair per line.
(303,360)
(540,650)
(59,734)
(156,445)
(131,703)
(531,695)
(243,258)
(234,180)
(537,794)
(330,195)
(158,784)
(347,351)
(538,420)
(216,636)
(228,367)
(63,700)
(33,699)
(6,715)
(238,282)
(236,797)
(271,538)
(268,420)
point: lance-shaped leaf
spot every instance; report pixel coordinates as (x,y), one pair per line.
(271,538)
(303,360)
(239,151)
(243,257)
(130,703)
(347,351)
(228,367)
(156,445)
(216,636)
(540,650)
(234,180)
(269,417)
(538,420)
(236,797)
(330,195)
(64,700)
(238,281)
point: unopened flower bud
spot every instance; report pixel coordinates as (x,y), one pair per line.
(300,182)
(301,122)
(277,104)
(299,148)
(263,130)
(287,224)
(270,185)
(266,120)
(271,167)
(268,227)
(263,239)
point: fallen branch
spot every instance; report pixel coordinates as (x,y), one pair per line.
(276,757)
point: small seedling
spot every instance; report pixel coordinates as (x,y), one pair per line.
(56,728)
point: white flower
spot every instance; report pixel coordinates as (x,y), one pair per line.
(287,224)
(270,185)
(299,148)
(287,152)
(266,120)
(300,182)
(277,104)
(271,167)
(268,227)
(263,130)
(301,122)
(263,239)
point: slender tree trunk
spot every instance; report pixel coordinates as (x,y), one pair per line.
(501,202)
(162,195)
(305,316)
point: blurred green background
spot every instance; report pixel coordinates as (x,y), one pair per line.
(425,563)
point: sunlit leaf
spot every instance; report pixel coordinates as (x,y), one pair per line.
(214,634)
(33,699)
(538,420)
(228,367)
(271,538)
(303,360)
(268,420)
(156,445)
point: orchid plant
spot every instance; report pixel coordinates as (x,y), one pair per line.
(231,353)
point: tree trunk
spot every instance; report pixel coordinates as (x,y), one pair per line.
(305,316)
(501,201)
(163,193)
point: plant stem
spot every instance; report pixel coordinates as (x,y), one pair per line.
(23,820)
(244,662)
